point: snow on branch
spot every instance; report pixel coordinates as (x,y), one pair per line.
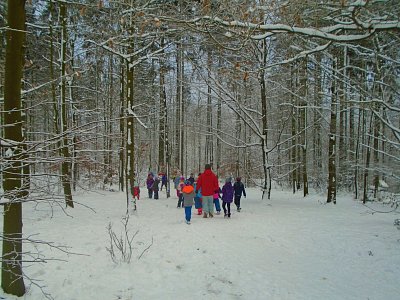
(132,113)
(105,46)
(336,33)
(302,54)
(9,143)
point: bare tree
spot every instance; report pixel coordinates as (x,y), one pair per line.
(11,276)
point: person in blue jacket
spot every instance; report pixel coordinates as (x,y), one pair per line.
(198,199)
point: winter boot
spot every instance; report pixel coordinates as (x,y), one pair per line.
(205,215)
(211,215)
(229,215)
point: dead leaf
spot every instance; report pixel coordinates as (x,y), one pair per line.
(82,11)
(157,22)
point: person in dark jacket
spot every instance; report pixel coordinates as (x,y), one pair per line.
(155,187)
(149,184)
(191,179)
(208,183)
(239,189)
(227,197)
(179,192)
(163,180)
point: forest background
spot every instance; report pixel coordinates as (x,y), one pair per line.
(95,94)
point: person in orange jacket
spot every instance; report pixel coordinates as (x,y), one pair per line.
(188,196)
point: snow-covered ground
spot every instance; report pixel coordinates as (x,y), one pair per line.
(287,248)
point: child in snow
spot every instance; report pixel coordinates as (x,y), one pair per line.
(155,187)
(177,179)
(238,188)
(163,181)
(227,197)
(188,196)
(197,201)
(136,191)
(136,194)
(149,184)
(179,191)
(216,201)
(191,179)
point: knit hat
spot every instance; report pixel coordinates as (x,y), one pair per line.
(187,189)
(229,179)
(238,178)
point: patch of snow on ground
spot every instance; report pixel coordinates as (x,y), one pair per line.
(289,247)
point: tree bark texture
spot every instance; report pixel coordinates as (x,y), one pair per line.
(332,182)
(11,275)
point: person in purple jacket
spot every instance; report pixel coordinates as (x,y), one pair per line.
(227,197)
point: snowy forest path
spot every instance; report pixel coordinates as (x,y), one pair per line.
(287,248)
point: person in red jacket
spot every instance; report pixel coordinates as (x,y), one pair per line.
(208,183)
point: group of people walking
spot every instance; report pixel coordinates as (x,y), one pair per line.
(204,192)
(153,184)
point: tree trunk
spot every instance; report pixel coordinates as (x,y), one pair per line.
(66,162)
(357,154)
(73,165)
(342,107)
(317,128)
(167,152)
(122,126)
(161,131)
(130,149)
(108,112)
(218,150)
(367,161)
(209,157)
(162,117)
(179,130)
(303,118)
(293,133)
(264,118)
(12,280)
(376,154)
(332,184)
